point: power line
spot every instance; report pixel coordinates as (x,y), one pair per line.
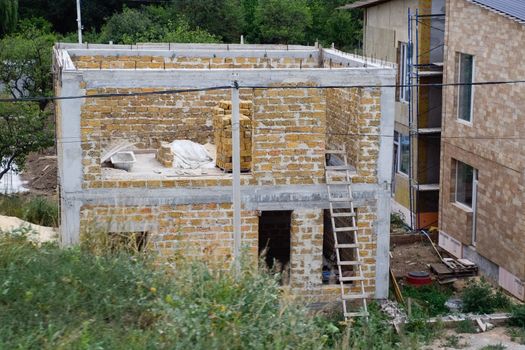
(258,87)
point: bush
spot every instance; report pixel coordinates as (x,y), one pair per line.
(52,298)
(478,297)
(518,316)
(36,210)
(41,211)
(431,298)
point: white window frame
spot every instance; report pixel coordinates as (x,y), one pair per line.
(404,78)
(474,173)
(399,153)
(471,112)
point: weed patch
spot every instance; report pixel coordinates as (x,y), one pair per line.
(430,298)
(36,210)
(466,326)
(478,297)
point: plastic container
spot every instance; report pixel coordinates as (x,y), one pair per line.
(123,160)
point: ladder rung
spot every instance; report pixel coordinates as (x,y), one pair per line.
(350,263)
(354,296)
(343,215)
(339,167)
(346,246)
(356,314)
(335,151)
(345,229)
(340,199)
(350,279)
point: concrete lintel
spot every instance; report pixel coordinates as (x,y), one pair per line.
(199,78)
(253,197)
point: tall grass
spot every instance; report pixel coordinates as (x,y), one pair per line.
(66,299)
(37,210)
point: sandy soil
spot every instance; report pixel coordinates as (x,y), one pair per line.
(43,233)
(476,341)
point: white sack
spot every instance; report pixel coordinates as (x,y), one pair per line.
(190,155)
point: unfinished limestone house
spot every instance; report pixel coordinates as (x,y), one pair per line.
(124,166)
(483,150)
(410,33)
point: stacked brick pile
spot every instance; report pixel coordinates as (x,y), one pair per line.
(222,126)
(165,155)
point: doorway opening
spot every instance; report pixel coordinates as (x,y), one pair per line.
(275,241)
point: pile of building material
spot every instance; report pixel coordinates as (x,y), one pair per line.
(222,125)
(164,154)
(34,232)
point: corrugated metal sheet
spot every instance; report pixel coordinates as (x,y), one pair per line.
(514,9)
(361,4)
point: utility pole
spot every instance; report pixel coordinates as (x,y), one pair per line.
(236,183)
(79,23)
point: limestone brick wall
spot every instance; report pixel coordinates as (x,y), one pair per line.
(185,62)
(353,119)
(288,136)
(203,232)
(307,251)
(493,143)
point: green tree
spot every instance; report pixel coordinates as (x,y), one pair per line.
(150,24)
(8,15)
(223,18)
(282,21)
(25,62)
(24,128)
(62,13)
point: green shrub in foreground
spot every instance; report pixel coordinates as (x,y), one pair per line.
(67,299)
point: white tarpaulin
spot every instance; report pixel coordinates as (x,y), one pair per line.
(190,155)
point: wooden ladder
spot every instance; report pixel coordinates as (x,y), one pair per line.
(342,209)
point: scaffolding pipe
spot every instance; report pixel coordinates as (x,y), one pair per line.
(236,183)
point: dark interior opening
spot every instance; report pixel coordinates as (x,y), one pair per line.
(274,239)
(130,242)
(330,271)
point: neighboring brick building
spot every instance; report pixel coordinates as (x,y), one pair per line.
(190,215)
(482,202)
(416,151)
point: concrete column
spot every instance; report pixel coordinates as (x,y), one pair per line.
(384,178)
(69,155)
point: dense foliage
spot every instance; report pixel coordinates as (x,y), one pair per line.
(52,298)
(24,128)
(260,21)
(37,210)
(8,15)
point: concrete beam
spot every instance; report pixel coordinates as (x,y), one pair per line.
(253,197)
(198,78)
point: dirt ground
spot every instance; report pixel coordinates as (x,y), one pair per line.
(41,172)
(496,336)
(412,257)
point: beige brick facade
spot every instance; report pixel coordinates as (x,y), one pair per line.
(493,142)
